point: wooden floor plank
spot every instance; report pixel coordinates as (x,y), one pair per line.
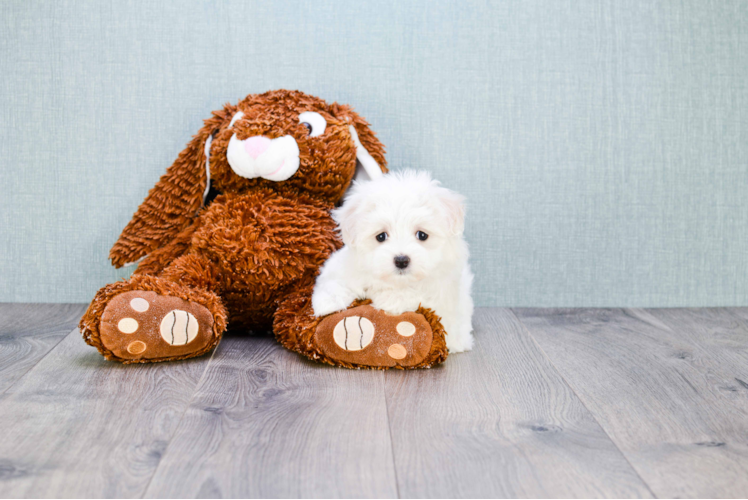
(742,314)
(719,333)
(267,423)
(77,425)
(500,422)
(28,332)
(665,400)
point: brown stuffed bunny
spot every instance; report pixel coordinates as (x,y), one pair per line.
(280,161)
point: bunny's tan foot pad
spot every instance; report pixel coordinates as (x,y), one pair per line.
(364,336)
(139,325)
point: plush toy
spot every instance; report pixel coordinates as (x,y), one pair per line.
(234,233)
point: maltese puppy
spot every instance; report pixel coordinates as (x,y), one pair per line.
(403,248)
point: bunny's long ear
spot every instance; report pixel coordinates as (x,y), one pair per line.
(370,161)
(174,201)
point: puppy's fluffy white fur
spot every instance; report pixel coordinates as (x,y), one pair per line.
(400,204)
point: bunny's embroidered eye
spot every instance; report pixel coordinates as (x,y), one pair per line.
(422,236)
(381,237)
(314,122)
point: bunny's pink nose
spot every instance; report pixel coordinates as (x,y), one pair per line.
(255,146)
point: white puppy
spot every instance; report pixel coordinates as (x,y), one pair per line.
(403,248)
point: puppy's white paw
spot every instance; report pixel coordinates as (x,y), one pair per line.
(324,304)
(460,342)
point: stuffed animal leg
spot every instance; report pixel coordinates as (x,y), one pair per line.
(360,336)
(157,318)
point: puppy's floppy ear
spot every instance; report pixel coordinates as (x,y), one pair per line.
(346,214)
(370,159)
(174,201)
(453,205)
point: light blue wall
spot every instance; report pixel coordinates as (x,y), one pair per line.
(603,144)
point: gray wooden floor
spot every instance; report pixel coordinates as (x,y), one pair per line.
(551,403)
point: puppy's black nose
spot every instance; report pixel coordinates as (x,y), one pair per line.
(402,261)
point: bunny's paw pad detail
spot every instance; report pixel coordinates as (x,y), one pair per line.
(145,325)
(364,336)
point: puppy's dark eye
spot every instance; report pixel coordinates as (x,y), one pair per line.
(381,237)
(422,236)
(308,126)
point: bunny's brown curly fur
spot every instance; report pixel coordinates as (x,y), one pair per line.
(250,256)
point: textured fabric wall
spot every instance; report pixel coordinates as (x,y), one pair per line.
(603,144)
